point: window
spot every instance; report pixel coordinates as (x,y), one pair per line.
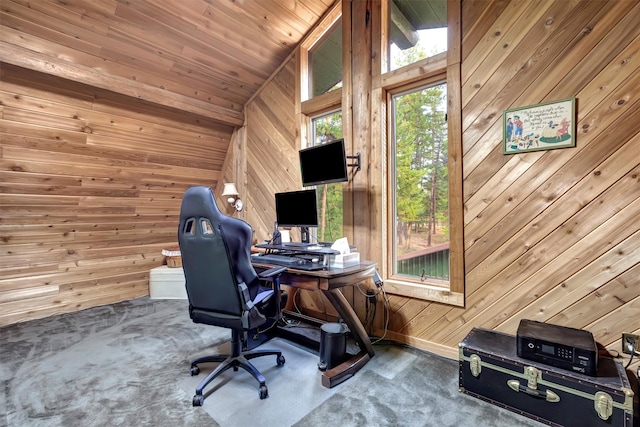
(417,30)
(419,70)
(420,199)
(424,255)
(325,128)
(325,62)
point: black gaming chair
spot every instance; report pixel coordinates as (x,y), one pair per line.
(222,286)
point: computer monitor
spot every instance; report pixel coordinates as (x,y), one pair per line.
(323,164)
(297,209)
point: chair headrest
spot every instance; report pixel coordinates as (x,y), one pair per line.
(199,201)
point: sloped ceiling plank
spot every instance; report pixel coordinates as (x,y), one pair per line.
(35,61)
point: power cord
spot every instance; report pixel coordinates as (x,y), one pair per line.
(295,302)
(385,301)
(370,310)
(634,352)
(371,306)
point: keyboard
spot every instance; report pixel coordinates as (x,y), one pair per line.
(289,261)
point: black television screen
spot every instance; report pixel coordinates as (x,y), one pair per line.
(323,164)
(297,208)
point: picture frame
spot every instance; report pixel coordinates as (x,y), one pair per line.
(544,126)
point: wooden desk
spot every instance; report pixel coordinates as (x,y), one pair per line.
(329,282)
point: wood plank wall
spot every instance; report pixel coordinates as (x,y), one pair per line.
(552,236)
(90,191)
(272,166)
(272,149)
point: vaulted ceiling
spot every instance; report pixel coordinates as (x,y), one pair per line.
(207,57)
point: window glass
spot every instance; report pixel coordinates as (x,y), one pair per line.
(325,128)
(420,175)
(325,62)
(417,30)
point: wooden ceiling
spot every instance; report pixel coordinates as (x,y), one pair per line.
(206,57)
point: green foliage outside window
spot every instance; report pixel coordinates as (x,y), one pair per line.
(329,128)
(421,169)
(422,201)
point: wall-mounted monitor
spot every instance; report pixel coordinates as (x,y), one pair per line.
(323,164)
(297,209)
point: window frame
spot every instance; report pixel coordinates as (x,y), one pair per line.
(384,82)
(303,82)
(436,80)
(444,66)
(311,50)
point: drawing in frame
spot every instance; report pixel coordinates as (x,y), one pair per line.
(544,126)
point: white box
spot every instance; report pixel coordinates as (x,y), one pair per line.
(344,260)
(167,283)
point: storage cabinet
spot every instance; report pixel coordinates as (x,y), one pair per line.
(167,283)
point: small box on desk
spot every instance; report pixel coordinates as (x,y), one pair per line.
(344,260)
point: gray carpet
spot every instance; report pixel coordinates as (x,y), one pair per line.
(128,364)
(283,383)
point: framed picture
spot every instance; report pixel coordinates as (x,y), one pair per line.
(539,127)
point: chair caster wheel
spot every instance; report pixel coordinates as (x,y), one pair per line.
(195,370)
(198,400)
(264,393)
(281,360)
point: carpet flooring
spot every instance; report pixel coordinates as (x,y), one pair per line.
(127,364)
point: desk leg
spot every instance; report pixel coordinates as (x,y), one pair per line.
(348,368)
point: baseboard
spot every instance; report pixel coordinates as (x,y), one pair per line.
(439,349)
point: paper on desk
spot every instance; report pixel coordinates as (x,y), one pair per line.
(341,245)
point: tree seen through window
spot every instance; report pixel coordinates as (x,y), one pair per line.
(421,184)
(328,128)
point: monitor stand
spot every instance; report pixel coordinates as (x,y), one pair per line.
(306,242)
(304,234)
(297,244)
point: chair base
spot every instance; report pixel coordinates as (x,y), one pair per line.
(237,359)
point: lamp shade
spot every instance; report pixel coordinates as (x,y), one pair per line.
(230,189)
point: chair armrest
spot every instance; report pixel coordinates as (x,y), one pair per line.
(271,273)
